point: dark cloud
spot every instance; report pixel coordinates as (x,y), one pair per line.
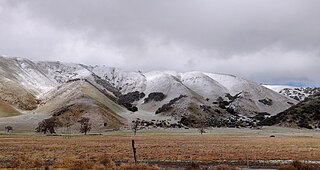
(267,40)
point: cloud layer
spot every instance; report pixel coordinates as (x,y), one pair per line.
(269,41)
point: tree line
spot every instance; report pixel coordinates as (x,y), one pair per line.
(49,125)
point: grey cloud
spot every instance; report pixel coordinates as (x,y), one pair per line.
(266,40)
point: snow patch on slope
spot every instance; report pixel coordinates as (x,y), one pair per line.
(62,72)
(26,73)
(124,81)
(278,88)
(203,85)
(251,95)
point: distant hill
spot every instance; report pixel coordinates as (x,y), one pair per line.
(297,93)
(305,114)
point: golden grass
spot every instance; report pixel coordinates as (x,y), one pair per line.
(16,95)
(7,111)
(102,162)
(163,147)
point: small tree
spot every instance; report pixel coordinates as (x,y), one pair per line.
(8,128)
(203,123)
(201,130)
(135,126)
(48,125)
(85,125)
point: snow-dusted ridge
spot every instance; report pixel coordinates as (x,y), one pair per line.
(190,95)
(297,93)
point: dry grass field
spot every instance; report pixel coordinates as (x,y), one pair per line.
(164,146)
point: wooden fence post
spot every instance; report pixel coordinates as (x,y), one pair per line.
(134,152)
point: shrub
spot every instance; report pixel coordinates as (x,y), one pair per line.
(193,166)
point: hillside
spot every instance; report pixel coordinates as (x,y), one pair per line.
(78,99)
(297,93)
(7,111)
(305,114)
(13,93)
(115,97)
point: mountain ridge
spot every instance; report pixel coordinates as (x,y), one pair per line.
(196,97)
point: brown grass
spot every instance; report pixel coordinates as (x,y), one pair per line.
(23,162)
(137,167)
(76,163)
(158,147)
(6,110)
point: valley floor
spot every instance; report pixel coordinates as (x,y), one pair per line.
(185,145)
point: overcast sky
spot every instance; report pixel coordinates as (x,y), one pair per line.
(268,41)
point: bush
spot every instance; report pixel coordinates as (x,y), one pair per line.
(193,166)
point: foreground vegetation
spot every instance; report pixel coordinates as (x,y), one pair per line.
(116,146)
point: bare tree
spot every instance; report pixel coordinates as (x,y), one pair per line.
(48,125)
(8,128)
(67,129)
(85,125)
(135,126)
(203,123)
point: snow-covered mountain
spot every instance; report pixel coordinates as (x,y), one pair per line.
(112,97)
(297,93)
